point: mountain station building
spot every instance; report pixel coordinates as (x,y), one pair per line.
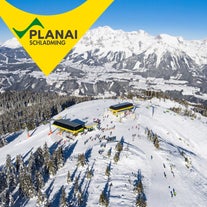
(73,127)
(121,107)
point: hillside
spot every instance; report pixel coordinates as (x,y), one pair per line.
(164,152)
(107,60)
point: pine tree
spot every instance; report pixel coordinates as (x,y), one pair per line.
(76,185)
(80,197)
(9,167)
(139,187)
(42,200)
(156,143)
(59,157)
(107,172)
(11,200)
(39,181)
(26,185)
(39,158)
(109,152)
(31,164)
(89,173)
(81,159)
(141,202)
(11,181)
(116,157)
(9,170)
(46,153)
(119,147)
(3,141)
(68,177)
(4,199)
(39,198)
(19,164)
(103,200)
(21,176)
(29,187)
(63,200)
(3,182)
(52,168)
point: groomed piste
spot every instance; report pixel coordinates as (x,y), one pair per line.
(164,150)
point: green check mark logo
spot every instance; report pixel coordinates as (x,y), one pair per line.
(21,33)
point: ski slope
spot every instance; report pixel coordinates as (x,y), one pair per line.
(163,170)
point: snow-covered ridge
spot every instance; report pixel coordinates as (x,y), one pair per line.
(106,39)
(137,42)
(105,55)
(104,42)
(11,43)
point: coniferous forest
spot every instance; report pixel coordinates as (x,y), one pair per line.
(19,110)
(20,181)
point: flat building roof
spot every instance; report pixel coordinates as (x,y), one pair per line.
(121,106)
(67,124)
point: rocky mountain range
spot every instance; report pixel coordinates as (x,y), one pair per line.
(112,62)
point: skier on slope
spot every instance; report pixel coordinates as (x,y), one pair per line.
(165,175)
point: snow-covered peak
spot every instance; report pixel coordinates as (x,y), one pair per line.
(11,43)
(102,28)
(142,32)
(169,40)
(105,42)
(205,42)
(180,39)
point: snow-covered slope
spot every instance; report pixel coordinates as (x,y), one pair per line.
(108,53)
(104,42)
(179,163)
(11,43)
(115,62)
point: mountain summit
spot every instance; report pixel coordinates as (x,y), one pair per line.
(167,60)
(11,43)
(104,42)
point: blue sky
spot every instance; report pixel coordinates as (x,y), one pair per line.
(186,18)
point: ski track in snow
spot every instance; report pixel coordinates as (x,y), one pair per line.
(175,132)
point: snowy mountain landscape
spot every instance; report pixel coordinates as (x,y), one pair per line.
(114,62)
(153,155)
(157,157)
